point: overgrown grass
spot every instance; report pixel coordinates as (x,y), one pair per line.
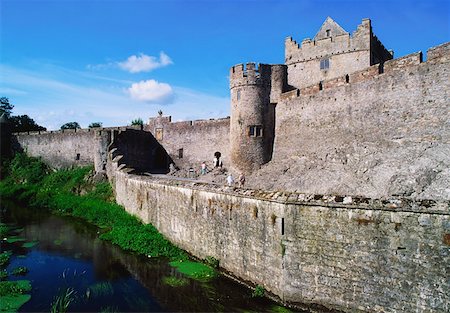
(68,191)
(12,294)
(195,270)
(175,281)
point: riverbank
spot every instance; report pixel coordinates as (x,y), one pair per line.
(74,192)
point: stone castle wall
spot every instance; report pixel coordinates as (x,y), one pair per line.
(346,54)
(351,254)
(368,133)
(198,140)
(60,148)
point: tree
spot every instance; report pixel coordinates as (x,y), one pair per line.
(95,124)
(24,123)
(5,107)
(137,122)
(71,125)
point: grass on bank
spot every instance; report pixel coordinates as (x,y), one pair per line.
(73,192)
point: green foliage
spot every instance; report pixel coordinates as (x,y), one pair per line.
(211,261)
(63,301)
(21,270)
(14,287)
(95,125)
(12,295)
(70,125)
(18,123)
(4,258)
(5,107)
(27,170)
(196,270)
(100,289)
(59,191)
(279,309)
(258,292)
(13,239)
(3,274)
(137,122)
(30,244)
(4,229)
(175,281)
(102,191)
(24,123)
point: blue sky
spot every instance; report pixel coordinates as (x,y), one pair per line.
(114,60)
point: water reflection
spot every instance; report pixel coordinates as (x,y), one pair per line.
(70,254)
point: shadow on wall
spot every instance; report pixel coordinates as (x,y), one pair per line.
(141,151)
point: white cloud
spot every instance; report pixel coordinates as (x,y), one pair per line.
(145,63)
(151,91)
(52,99)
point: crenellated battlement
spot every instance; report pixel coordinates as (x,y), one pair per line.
(437,54)
(249,74)
(338,43)
(75,130)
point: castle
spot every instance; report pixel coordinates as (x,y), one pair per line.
(347,153)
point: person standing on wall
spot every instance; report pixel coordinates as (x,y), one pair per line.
(230,180)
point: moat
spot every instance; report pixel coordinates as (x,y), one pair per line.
(68,254)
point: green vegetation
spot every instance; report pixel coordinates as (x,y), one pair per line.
(95,125)
(18,123)
(13,239)
(30,244)
(195,270)
(4,258)
(3,274)
(258,292)
(70,125)
(21,270)
(4,229)
(63,301)
(100,289)
(137,122)
(71,192)
(12,294)
(175,281)
(211,261)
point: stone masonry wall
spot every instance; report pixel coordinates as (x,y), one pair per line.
(370,134)
(199,140)
(351,254)
(60,149)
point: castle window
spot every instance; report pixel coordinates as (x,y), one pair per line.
(159,134)
(180,153)
(77,157)
(238,94)
(325,64)
(328,31)
(255,131)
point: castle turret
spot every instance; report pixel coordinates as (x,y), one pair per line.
(252,116)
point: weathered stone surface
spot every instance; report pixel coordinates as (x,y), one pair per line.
(375,256)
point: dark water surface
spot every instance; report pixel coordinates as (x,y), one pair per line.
(106,278)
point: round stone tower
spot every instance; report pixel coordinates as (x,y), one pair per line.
(252,117)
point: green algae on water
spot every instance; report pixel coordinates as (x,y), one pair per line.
(30,244)
(14,239)
(21,270)
(100,289)
(195,270)
(279,309)
(175,281)
(4,257)
(12,294)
